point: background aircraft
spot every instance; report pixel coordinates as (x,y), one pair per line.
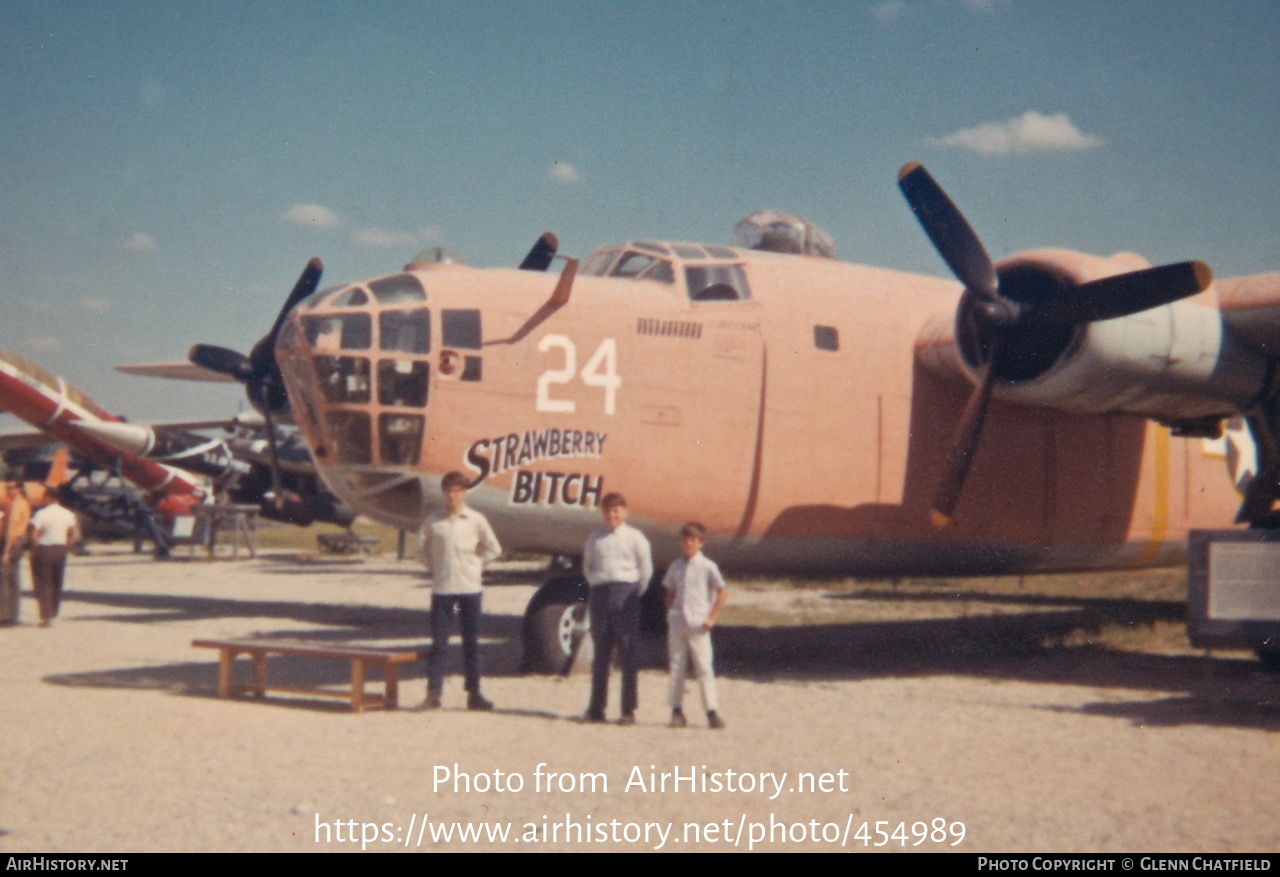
(241,465)
(169,466)
(1051,412)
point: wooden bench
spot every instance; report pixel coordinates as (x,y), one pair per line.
(361,658)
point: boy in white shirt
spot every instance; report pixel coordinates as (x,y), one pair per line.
(695,594)
(617,564)
(460,542)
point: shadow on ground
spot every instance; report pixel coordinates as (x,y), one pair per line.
(1016,646)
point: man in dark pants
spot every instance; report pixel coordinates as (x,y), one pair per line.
(460,541)
(617,564)
(53,532)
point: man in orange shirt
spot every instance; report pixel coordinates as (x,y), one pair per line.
(15,518)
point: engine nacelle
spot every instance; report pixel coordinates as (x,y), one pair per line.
(1177,362)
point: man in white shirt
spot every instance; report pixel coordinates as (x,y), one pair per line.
(695,594)
(53,531)
(617,564)
(459,541)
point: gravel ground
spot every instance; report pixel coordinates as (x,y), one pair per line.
(118,744)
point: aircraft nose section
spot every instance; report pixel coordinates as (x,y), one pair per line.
(357,364)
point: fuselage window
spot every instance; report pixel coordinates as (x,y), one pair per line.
(826,337)
(343,378)
(405,331)
(399,289)
(350,436)
(716,283)
(472,368)
(400,438)
(461,328)
(402,383)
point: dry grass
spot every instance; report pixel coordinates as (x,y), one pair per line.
(1129,611)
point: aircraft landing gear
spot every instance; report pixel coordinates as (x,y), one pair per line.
(556,628)
(555,622)
(1270,658)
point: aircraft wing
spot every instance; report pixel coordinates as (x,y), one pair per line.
(262,458)
(19,440)
(177,370)
(227,423)
(1251,308)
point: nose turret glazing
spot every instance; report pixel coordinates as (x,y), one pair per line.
(357,364)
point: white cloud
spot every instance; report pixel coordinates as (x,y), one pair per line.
(314,215)
(45,308)
(563,172)
(381,239)
(97,305)
(1030,132)
(140,242)
(68,281)
(43,343)
(888,11)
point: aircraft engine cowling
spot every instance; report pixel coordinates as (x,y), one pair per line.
(1174,363)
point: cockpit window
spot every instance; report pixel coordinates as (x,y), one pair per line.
(405,331)
(653,247)
(398,289)
(348,297)
(351,437)
(716,283)
(400,438)
(339,332)
(402,383)
(633,264)
(597,264)
(343,379)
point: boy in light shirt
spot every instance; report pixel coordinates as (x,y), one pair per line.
(617,564)
(695,594)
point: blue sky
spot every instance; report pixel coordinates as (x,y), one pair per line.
(170,166)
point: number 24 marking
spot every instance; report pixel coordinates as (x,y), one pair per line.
(601,371)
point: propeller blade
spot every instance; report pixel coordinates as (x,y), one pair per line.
(278,495)
(541,253)
(948,231)
(1125,294)
(966,442)
(222,360)
(264,352)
